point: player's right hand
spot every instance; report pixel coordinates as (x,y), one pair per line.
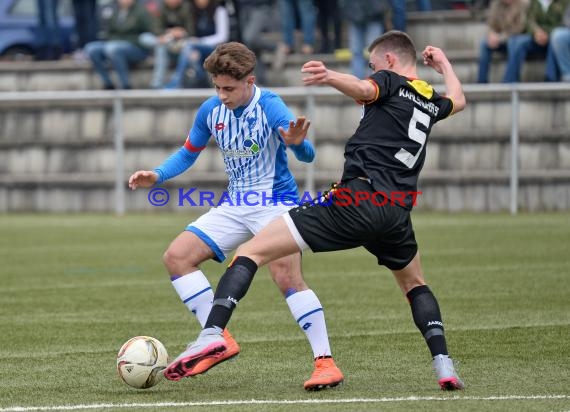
(142,178)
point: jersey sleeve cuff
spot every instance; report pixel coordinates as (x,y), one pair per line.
(376,94)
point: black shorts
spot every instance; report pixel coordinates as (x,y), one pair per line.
(347,221)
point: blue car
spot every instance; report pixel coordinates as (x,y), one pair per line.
(19,28)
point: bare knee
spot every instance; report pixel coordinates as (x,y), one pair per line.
(185,253)
(177,262)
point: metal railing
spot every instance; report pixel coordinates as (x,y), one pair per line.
(119,98)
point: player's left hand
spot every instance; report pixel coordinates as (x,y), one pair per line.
(434,57)
(297,131)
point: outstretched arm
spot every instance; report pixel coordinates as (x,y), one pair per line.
(176,163)
(352,86)
(142,178)
(304,152)
(435,58)
(297,131)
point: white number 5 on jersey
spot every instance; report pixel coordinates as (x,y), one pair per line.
(416,135)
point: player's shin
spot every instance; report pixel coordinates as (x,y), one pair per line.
(233,286)
(308,312)
(427,318)
(195,292)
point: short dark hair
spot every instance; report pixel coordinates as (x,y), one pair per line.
(231,59)
(398,43)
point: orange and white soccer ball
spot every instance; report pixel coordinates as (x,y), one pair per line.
(141,360)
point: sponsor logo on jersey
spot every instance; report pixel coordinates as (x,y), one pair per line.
(250,149)
(251,145)
(220,126)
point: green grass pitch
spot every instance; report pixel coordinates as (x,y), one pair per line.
(73,288)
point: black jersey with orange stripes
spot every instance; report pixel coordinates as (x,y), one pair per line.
(389,145)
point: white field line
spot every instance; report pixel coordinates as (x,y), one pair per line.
(278,402)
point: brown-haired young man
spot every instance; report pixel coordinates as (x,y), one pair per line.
(252,128)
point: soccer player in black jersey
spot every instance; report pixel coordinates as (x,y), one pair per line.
(371,205)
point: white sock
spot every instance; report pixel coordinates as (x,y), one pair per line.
(308,312)
(196,293)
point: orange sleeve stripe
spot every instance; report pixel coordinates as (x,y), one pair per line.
(376,95)
(190,147)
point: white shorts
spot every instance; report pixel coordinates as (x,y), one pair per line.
(225,227)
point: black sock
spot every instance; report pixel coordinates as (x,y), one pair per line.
(427,318)
(233,286)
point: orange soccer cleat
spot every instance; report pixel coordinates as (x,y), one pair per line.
(325,375)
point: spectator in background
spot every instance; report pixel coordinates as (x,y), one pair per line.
(121,47)
(174,26)
(398,9)
(86,25)
(254,19)
(328,14)
(506,18)
(308,17)
(560,46)
(365,23)
(423,5)
(399,18)
(49,34)
(211,27)
(542,17)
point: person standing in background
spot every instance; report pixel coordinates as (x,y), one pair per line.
(253,21)
(86,25)
(365,23)
(48,38)
(308,17)
(328,14)
(399,12)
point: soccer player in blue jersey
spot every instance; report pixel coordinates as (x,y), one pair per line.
(252,128)
(384,155)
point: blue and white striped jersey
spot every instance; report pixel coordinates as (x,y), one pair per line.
(253,151)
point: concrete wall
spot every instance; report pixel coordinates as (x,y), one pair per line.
(59,155)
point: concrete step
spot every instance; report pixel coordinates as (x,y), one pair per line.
(458,32)
(51,135)
(442,154)
(323,178)
(67,75)
(165,117)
